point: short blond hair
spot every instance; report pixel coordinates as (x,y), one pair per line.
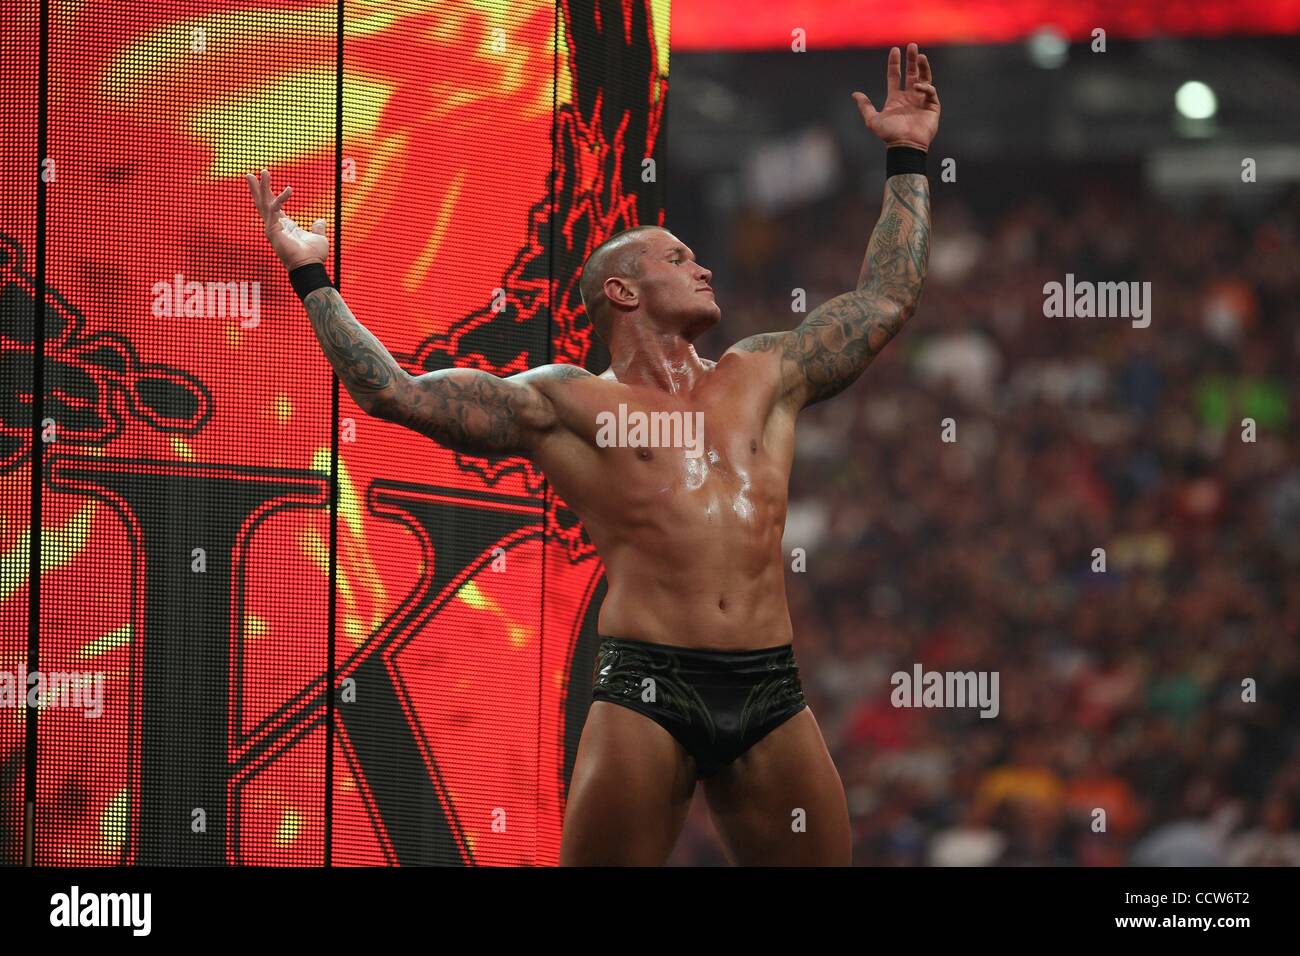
(619,255)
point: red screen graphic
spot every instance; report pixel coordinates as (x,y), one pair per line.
(212,506)
(828,24)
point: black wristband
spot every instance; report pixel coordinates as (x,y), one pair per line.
(307,279)
(904,159)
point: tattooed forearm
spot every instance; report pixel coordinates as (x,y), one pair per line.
(830,348)
(901,243)
(365,367)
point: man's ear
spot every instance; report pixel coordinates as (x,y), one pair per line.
(620,292)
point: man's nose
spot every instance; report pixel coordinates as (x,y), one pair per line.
(706,275)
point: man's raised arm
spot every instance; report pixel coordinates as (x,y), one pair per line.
(465,409)
(836,342)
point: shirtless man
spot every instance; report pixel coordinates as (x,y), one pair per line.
(695,677)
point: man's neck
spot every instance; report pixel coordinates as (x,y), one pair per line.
(668,363)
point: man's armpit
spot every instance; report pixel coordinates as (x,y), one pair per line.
(767,356)
(547,383)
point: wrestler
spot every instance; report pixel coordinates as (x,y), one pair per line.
(695,677)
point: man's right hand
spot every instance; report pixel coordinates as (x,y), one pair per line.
(295,246)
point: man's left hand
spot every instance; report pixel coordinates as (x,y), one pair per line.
(911,113)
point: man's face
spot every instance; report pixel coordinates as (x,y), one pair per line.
(674,287)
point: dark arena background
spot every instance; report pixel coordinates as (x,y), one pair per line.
(277,631)
(198,521)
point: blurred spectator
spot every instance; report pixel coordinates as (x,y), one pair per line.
(1273,842)
(1162,689)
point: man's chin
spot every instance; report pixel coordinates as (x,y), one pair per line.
(705,320)
(698,319)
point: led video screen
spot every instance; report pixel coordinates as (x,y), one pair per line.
(254,624)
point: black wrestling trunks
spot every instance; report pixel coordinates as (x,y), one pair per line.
(717,704)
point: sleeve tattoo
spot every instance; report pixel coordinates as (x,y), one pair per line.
(466,409)
(475,411)
(365,367)
(836,342)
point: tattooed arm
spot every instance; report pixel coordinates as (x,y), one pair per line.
(367,370)
(836,342)
(465,409)
(477,412)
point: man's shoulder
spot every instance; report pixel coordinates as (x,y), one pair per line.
(553,374)
(762,343)
(559,383)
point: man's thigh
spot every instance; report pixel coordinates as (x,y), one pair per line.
(630,791)
(782,802)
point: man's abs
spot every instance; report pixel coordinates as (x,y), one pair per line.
(701,608)
(697,570)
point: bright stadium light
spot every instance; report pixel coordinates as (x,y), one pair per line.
(1195,100)
(1048,48)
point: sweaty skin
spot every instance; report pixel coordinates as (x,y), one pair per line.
(691,545)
